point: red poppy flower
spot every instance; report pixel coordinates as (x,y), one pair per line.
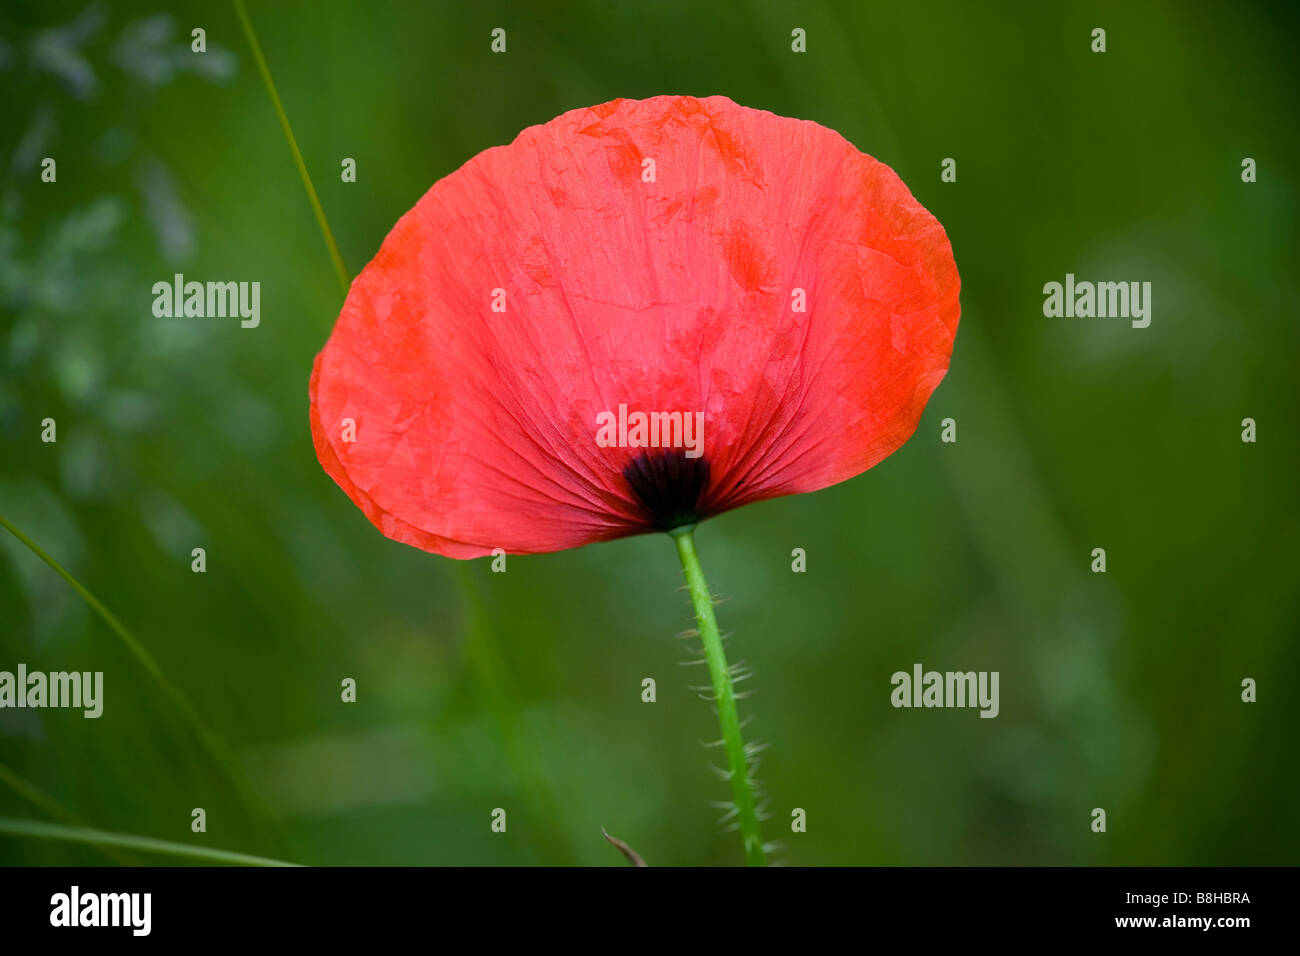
(660,256)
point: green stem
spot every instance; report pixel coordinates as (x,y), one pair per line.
(102,838)
(741,787)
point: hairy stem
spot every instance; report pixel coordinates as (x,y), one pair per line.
(725,697)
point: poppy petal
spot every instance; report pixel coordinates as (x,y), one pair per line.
(653,254)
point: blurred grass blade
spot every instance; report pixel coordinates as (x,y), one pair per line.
(496,691)
(37,830)
(52,808)
(135,646)
(335,257)
(215,746)
(486,666)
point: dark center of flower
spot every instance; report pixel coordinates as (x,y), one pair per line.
(669,486)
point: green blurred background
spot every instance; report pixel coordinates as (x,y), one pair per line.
(523,690)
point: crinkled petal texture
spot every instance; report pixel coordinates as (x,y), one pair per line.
(669,255)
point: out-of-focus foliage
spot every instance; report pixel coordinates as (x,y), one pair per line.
(1119,691)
